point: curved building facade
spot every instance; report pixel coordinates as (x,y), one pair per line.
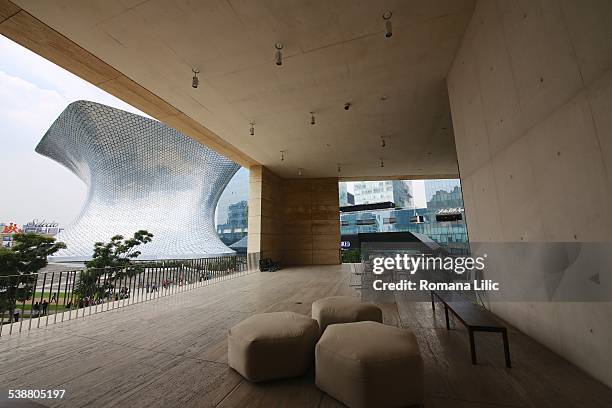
(140,174)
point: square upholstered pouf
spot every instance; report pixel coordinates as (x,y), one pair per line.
(272,345)
(369,364)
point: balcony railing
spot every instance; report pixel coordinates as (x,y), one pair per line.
(38,300)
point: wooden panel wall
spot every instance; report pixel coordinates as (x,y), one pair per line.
(294,221)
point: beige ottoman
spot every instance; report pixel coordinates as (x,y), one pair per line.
(343,309)
(368,364)
(272,345)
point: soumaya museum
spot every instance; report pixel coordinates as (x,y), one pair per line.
(306,204)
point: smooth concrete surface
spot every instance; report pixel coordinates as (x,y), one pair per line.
(334,52)
(296,222)
(531,97)
(172,351)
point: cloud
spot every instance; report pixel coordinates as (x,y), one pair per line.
(33,92)
(20,62)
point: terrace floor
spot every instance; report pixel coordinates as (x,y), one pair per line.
(172,352)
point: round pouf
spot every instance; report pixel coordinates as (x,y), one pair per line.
(368,364)
(343,309)
(272,345)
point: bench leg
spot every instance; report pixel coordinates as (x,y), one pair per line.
(446,316)
(506,348)
(472,346)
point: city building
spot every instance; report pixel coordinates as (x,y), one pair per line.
(396,191)
(236,227)
(432,186)
(346,197)
(141,175)
(7,231)
(237,190)
(441,221)
(42,227)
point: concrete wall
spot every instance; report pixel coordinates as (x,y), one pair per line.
(531,101)
(296,221)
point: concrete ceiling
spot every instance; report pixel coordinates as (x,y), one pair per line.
(334,52)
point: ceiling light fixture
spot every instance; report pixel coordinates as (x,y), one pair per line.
(282,152)
(300,171)
(339,168)
(312,118)
(347,106)
(383,142)
(195,81)
(388,28)
(279,53)
(382,163)
(252,129)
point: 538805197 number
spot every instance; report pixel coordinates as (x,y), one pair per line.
(36,394)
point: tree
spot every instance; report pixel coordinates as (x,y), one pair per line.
(110,261)
(19,265)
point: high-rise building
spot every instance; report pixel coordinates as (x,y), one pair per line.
(433,186)
(236,191)
(346,198)
(443,199)
(236,226)
(399,192)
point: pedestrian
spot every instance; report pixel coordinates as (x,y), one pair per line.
(45,305)
(16,316)
(36,309)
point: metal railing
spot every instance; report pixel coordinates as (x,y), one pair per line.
(37,300)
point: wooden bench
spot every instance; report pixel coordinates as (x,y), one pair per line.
(474,317)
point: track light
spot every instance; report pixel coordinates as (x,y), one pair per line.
(347,106)
(339,169)
(279,53)
(388,28)
(282,152)
(312,118)
(300,171)
(252,129)
(383,142)
(382,163)
(195,81)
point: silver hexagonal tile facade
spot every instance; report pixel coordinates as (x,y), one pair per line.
(140,174)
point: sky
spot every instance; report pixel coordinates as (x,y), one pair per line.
(33,92)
